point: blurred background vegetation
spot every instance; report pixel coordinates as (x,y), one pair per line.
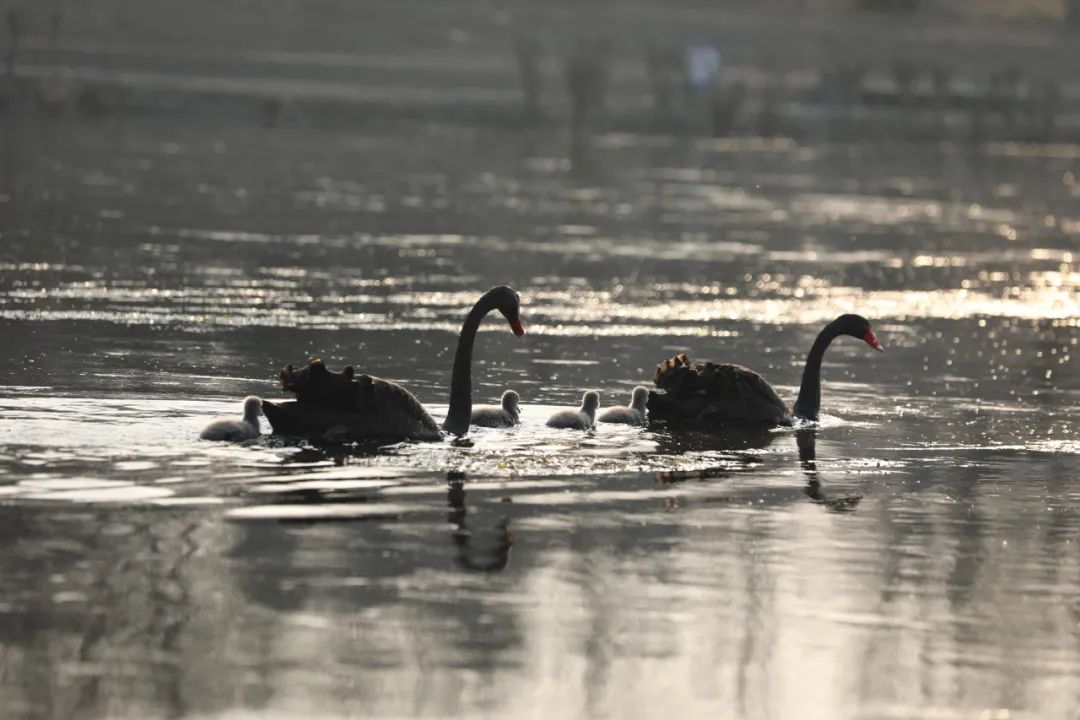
(928,68)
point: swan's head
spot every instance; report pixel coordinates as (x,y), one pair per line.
(639,398)
(252,407)
(506,300)
(510,401)
(857,326)
(590,401)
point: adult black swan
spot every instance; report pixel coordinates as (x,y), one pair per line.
(348,406)
(711,392)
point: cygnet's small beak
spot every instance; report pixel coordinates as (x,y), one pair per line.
(517,327)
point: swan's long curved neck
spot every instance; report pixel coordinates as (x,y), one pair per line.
(460,410)
(808,404)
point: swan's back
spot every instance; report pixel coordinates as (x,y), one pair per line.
(397,412)
(353,407)
(315,384)
(714,391)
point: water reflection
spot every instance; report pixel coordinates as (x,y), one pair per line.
(675,436)
(718,570)
(806,439)
(468,558)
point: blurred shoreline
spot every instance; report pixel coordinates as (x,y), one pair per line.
(910,76)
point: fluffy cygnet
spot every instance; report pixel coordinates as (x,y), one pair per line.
(497,416)
(633,414)
(232,430)
(580,419)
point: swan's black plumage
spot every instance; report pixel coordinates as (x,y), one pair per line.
(725,393)
(363,407)
(504,299)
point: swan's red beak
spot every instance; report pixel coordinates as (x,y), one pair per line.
(517,327)
(872,341)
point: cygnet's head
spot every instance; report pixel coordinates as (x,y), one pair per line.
(252,408)
(640,398)
(510,401)
(590,401)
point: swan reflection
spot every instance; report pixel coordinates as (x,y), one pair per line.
(806,440)
(494,560)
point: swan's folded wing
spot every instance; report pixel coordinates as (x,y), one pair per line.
(314,384)
(738,394)
(718,392)
(678,375)
(372,409)
(398,410)
(683,389)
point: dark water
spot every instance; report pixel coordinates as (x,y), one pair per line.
(913,556)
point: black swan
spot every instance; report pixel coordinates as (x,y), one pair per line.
(580,419)
(346,406)
(633,414)
(503,415)
(232,430)
(706,391)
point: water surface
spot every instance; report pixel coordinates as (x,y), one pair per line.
(914,555)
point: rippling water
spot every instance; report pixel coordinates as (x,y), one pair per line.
(912,556)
